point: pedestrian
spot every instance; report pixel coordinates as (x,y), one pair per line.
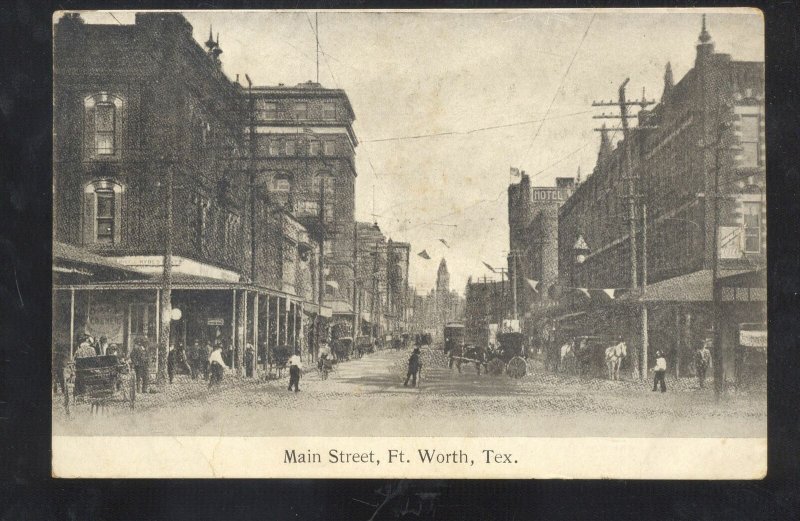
(85,349)
(113,350)
(102,346)
(192,356)
(177,363)
(295,365)
(202,358)
(216,366)
(141,365)
(414,368)
(660,371)
(249,358)
(702,360)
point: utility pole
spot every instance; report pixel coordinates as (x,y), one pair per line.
(166,284)
(631,177)
(322,284)
(356,313)
(514,281)
(252,162)
(374,292)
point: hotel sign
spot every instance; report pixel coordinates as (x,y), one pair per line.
(550,194)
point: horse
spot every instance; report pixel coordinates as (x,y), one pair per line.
(614,356)
(478,354)
(567,356)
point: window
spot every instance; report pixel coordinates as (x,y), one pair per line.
(313,148)
(274,147)
(198,221)
(282,183)
(752,227)
(290,147)
(268,110)
(102,213)
(104,116)
(105,217)
(749,140)
(329,110)
(316,182)
(330,148)
(307,208)
(102,125)
(301,110)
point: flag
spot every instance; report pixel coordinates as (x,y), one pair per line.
(424,255)
(584,291)
(492,269)
(307,130)
(443,242)
(533,284)
(610,292)
(332,283)
(515,172)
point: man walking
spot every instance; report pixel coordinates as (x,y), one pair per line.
(660,371)
(414,367)
(216,366)
(249,358)
(702,360)
(203,352)
(141,366)
(294,371)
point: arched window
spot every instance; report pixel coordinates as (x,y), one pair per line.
(102,212)
(281,182)
(316,182)
(102,125)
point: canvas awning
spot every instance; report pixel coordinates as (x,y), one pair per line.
(692,287)
(78,261)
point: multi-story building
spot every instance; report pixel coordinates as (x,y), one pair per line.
(484,304)
(304,156)
(372,277)
(150,161)
(701,146)
(398,256)
(533,239)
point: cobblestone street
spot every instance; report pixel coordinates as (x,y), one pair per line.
(367,397)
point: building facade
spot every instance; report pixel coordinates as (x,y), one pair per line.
(150,162)
(702,146)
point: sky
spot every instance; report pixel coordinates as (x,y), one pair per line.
(502,88)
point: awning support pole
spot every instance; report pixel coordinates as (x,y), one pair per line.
(255,335)
(72,322)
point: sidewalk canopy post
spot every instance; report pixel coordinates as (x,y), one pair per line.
(72,322)
(255,335)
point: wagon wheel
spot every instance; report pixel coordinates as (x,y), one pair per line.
(516,368)
(495,367)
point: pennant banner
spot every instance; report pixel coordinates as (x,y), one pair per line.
(534,284)
(584,291)
(424,255)
(610,292)
(485,264)
(443,242)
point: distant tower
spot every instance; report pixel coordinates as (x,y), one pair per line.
(443,278)
(705,47)
(669,83)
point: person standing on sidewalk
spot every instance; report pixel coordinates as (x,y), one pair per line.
(141,365)
(294,371)
(660,370)
(702,360)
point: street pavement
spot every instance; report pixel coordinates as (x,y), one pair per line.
(366,397)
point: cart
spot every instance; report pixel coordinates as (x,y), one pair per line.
(509,357)
(342,348)
(100,380)
(363,346)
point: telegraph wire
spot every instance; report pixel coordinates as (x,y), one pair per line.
(560,83)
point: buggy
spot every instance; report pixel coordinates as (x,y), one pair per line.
(509,356)
(100,380)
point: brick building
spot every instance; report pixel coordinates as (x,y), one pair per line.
(533,240)
(398,257)
(149,137)
(304,156)
(706,135)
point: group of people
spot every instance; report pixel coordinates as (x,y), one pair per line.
(702,361)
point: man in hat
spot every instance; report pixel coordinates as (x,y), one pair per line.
(141,364)
(414,367)
(702,360)
(660,370)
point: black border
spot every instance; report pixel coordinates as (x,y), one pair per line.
(28,492)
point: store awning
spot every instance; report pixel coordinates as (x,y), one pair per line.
(70,259)
(340,307)
(692,287)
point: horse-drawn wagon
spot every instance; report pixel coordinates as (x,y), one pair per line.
(593,356)
(508,357)
(342,348)
(100,380)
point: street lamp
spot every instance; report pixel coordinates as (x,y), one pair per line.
(581,250)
